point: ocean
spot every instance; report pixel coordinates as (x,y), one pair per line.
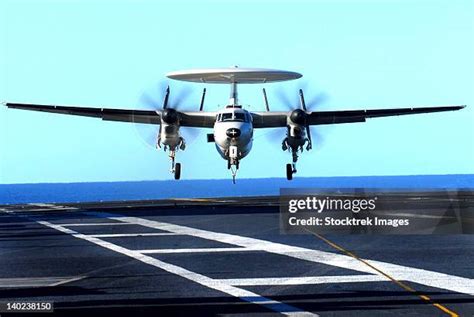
(163,189)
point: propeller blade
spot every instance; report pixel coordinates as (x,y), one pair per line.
(201,107)
(283,97)
(308,134)
(191,135)
(147,133)
(272,135)
(302,103)
(317,100)
(265,99)
(181,96)
(167,96)
(319,136)
(148,102)
(151,99)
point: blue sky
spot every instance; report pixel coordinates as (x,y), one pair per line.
(360,54)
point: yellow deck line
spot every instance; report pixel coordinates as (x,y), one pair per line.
(403,285)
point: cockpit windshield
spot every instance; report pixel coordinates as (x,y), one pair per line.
(226,117)
(233,116)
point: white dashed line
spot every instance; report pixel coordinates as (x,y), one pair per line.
(81,224)
(120,235)
(306,280)
(197,250)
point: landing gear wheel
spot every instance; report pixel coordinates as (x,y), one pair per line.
(228,164)
(177,171)
(289,172)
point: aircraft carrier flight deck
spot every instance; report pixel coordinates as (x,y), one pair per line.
(221,257)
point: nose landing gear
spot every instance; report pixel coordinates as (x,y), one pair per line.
(233,162)
(234,169)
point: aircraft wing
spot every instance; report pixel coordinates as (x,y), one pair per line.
(279,119)
(188,119)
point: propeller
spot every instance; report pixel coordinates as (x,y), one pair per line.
(159,98)
(304,106)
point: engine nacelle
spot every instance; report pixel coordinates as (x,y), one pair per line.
(170,116)
(296,124)
(296,130)
(169,130)
(297,117)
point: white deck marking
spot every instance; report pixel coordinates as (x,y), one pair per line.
(23,282)
(306,280)
(29,210)
(81,224)
(404,273)
(119,235)
(195,277)
(197,250)
(51,206)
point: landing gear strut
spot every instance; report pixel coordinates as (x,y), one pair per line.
(234,169)
(291,168)
(175,167)
(233,162)
(295,146)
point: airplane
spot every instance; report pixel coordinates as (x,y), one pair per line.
(233,126)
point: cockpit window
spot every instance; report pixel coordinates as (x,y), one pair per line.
(233,116)
(239,116)
(226,116)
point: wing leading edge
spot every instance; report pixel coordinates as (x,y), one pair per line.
(139,116)
(188,119)
(279,119)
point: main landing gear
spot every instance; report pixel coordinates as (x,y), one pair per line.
(295,148)
(290,170)
(175,167)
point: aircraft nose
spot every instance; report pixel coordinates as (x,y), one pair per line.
(233,133)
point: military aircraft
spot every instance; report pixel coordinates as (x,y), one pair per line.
(232,126)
